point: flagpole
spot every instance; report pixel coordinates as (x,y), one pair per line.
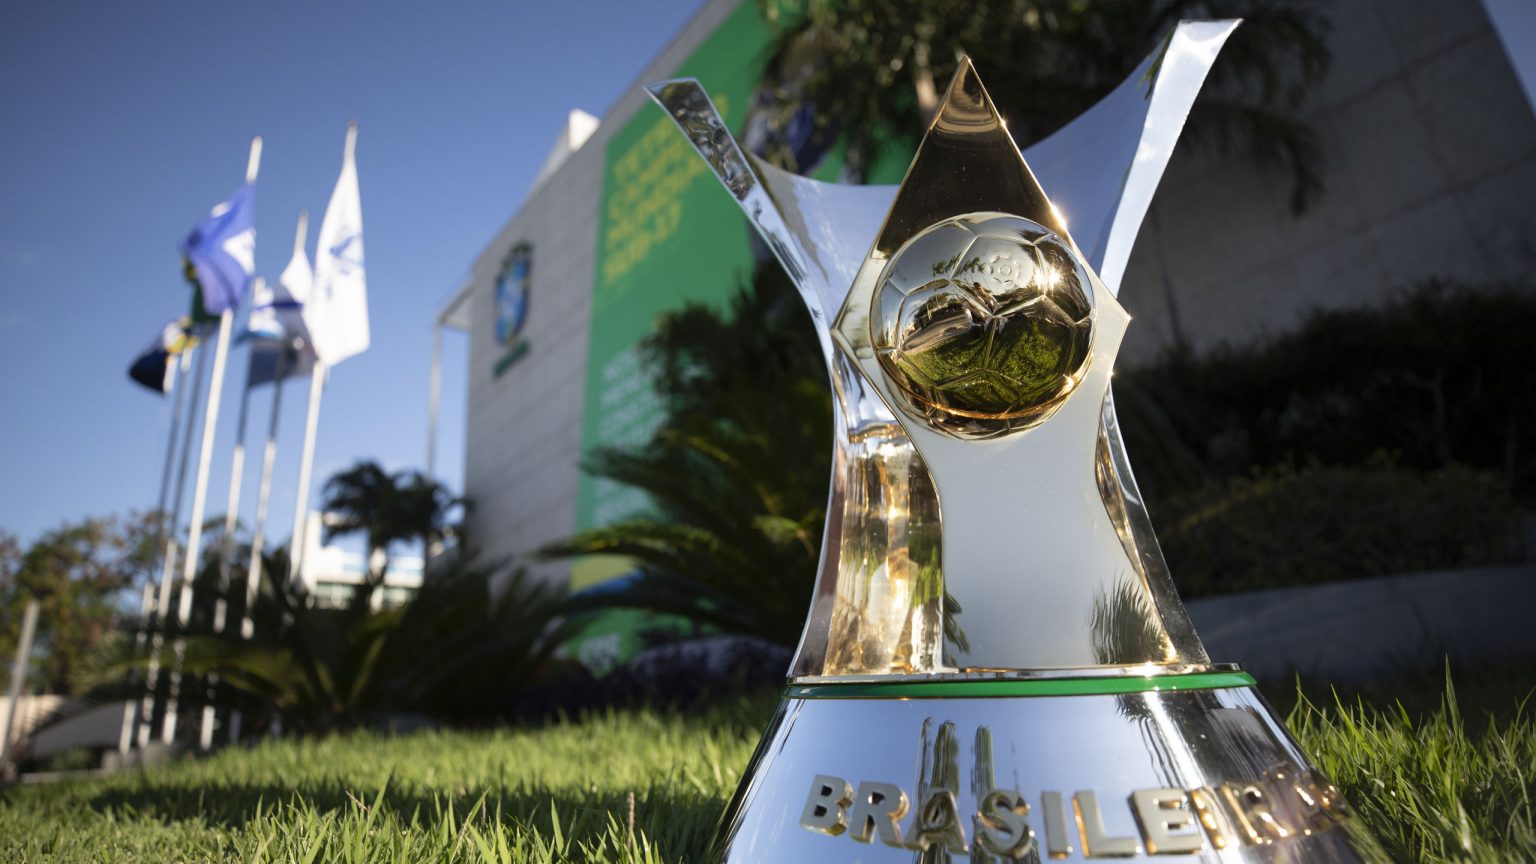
(18,678)
(131,706)
(306,464)
(168,557)
(269,456)
(253,162)
(258,532)
(434,395)
(200,493)
(227,541)
(178,392)
(147,596)
(232,508)
(263,494)
(195,527)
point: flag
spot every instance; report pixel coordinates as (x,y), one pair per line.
(336,311)
(153,367)
(294,286)
(219,254)
(259,320)
(288,358)
(276,313)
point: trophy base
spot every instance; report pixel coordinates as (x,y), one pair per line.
(1191,767)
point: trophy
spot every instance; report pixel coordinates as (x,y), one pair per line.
(996,666)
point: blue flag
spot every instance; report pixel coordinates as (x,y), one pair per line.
(220,253)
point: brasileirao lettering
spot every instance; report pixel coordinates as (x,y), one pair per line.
(1286,803)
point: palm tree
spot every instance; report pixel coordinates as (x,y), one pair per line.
(873,70)
(386,509)
(737,472)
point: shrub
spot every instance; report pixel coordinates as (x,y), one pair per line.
(1324,524)
(1444,375)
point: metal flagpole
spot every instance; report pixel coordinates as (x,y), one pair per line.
(289,347)
(434,396)
(147,599)
(18,677)
(263,493)
(168,562)
(200,493)
(232,508)
(269,455)
(189,560)
(306,463)
(131,706)
(258,532)
(227,541)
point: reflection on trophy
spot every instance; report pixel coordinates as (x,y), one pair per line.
(996,665)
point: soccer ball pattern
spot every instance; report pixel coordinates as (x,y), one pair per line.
(984,322)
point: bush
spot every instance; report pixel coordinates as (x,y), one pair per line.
(459,652)
(1445,375)
(687,675)
(1323,524)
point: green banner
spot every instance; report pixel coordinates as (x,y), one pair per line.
(669,235)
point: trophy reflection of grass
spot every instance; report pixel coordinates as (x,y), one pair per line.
(985,319)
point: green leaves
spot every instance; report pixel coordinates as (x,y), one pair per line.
(737,473)
(871,70)
(387,509)
(82,575)
(460,650)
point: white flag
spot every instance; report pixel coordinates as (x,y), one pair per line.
(277,320)
(336,312)
(261,320)
(294,287)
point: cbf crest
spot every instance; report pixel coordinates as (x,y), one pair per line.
(513,282)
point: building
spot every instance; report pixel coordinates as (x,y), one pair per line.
(1430,146)
(332,574)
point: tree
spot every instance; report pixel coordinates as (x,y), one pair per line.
(387,509)
(82,575)
(737,472)
(873,70)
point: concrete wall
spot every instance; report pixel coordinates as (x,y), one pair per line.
(1369,629)
(523,435)
(1430,170)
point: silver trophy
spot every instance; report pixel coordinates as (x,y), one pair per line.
(996,665)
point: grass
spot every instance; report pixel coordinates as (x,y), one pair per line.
(1436,783)
(1434,787)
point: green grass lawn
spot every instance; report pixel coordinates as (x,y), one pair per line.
(1436,783)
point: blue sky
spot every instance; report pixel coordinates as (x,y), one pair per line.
(124,122)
